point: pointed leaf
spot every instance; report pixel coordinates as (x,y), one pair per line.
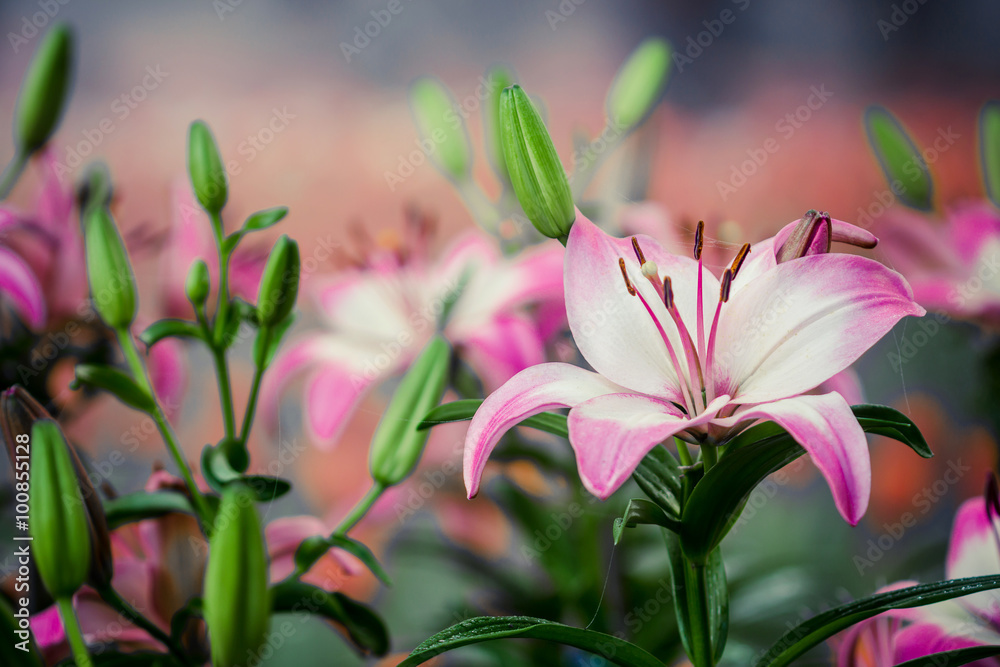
(141,505)
(463,410)
(364,554)
(717,500)
(904,167)
(821,627)
(989,149)
(161,329)
(364,627)
(641,511)
(115,382)
(659,477)
(487,628)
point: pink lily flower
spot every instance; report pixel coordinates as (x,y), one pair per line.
(42,268)
(679,352)
(953,265)
(871,643)
(379,316)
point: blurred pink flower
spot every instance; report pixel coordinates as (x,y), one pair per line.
(42,267)
(189,238)
(380,314)
(683,353)
(952,264)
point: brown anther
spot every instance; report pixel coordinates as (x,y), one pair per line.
(699,239)
(638,251)
(727,281)
(738,260)
(668,293)
(628,283)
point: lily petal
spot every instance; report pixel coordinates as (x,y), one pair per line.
(332,394)
(804,321)
(19,284)
(612,433)
(531,391)
(974,551)
(923,639)
(507,346)
(613,330)
(828,430)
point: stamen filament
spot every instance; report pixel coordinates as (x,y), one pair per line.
(727,281)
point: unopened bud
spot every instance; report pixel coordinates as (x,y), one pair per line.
(533,164)
(112,283)
(442,132)
(499,78)
(639,83)
(237,602)
(56,516)
(279,285)
(197,284)
(45,90)
(208,177)
(397,443)
(18,412)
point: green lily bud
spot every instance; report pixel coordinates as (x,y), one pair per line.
(56,516)
(112,283)
(535,171)
(639,83)
(208,176)
(279,285)
(397,444)
(237,603)
(18,412)
(498,77)
(45,90)
(197,284)
(442,138)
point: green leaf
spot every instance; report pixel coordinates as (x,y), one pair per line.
(265,488)
(115,382)
(691,583)
(953,658)
(219,473)
(170,328)
(643,512)
(717,501)
(364,627)
(659,477)
(364,554)
(487,628)
(821,627)
(463,410)
(904,167)
(144,505)
(989,149)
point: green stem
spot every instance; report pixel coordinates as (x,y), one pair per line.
(251,405)
(12,172)
(683,453)
(482,209)
(581,180)
(359,510)
(139,374)
(219,343)
(701,626)
(127,611)
(709,454)
(73,633)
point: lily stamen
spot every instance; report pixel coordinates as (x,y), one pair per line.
(738,260)
(628,283)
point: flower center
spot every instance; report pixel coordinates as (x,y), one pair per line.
(697,351)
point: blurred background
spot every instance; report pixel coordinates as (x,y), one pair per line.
(312,113)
